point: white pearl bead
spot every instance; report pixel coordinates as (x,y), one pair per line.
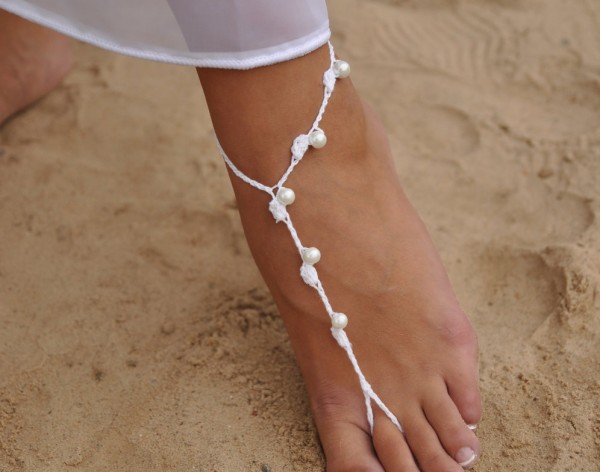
(311,255)
(341,69)
(339,321)
(317,139)
(286,196)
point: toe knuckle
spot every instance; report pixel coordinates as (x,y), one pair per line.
(458,331)
(334,405)
(328,405)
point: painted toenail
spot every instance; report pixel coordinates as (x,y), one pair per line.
(472,427)
(465,457)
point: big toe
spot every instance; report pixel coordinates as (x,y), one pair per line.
(463,387)
(458,440)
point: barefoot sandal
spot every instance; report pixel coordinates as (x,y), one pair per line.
(282,196)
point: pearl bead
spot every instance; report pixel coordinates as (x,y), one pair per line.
(311,255)
(286,196)
(317,139)
(339,321)
(341,69)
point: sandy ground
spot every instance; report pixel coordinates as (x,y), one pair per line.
(135,331)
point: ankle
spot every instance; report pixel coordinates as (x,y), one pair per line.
(258,113)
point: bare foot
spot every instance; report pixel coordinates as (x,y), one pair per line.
(414,343)
(33,60)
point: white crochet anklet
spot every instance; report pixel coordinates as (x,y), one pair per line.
(282,196)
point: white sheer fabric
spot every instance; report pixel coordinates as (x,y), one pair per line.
(235,34)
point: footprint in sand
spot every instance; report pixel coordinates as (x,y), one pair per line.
(522,289)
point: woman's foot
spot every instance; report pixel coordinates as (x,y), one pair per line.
(413,342)
(33,61)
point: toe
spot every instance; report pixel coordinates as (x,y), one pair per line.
(391,447)
(458,439)
(345,438)
(463,387)
(425,445)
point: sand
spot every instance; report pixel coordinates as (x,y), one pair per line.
(135,331)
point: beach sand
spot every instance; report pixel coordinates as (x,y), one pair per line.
(135,331)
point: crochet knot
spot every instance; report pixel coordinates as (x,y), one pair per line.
(341,337)
(278,210)
(299,146)
(329,80)
(309,275)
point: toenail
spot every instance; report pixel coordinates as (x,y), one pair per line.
(472,427)
(465,457)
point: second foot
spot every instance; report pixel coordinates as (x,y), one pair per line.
(33,61)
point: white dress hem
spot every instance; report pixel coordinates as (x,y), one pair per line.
(223,60)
